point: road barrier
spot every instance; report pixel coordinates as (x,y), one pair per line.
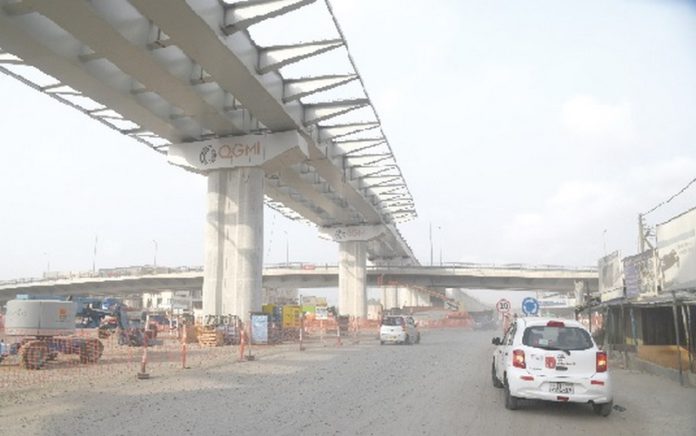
(166,353)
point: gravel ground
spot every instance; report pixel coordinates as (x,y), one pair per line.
(441,386)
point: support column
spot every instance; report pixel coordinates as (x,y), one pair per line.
(234,242)
(352,278)
(404,296)
(412,297)
(391,297)
(423,299)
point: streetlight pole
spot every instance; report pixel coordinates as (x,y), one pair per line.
(431,244)
(94,255)
(287,249)
(48,263)
(441,239)
(154,261)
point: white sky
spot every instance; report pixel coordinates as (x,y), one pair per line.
(523,129)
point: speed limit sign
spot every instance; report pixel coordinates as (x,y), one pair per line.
(503,306)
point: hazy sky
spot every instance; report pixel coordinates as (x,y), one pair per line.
(524,130)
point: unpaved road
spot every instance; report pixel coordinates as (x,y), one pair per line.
(441,386)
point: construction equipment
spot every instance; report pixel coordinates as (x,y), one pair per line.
(43,329)
(131,326)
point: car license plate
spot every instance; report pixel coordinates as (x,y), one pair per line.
(561,388)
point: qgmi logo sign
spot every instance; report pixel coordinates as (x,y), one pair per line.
(208,155)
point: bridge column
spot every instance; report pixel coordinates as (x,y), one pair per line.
(405,296)
(391,297)
(422,299)
(352,265)
(234,242)
(233,267)
(352,278)
(412,297)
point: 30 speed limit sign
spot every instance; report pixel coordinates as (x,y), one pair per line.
(503,306)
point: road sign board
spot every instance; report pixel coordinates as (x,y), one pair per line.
(530,306)
(321,313)
(503,305)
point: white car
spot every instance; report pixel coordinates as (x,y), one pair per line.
(398,329)
(552,360)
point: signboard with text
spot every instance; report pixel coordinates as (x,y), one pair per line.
(351,233)
(259,328)
(321,313)
(235,151)
(639,273)
(610,277)
(676,251)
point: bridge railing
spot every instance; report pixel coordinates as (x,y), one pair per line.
(520,266)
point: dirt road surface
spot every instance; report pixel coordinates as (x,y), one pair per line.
(441,386)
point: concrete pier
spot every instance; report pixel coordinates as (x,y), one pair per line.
(390,297)
(406,297)
(352,278)
(234,242)
(422,299)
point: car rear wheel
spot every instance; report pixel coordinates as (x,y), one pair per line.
(511,402)
(496,382)
(603,409)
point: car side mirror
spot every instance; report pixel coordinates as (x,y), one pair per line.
(496,341)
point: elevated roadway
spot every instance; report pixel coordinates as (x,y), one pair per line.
(547,278)
(231,90)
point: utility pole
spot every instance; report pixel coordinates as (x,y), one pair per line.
(48,263)
(441,239)
(604,240)
(287,249)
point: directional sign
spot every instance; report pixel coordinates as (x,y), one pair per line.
(503,306)
(530,306)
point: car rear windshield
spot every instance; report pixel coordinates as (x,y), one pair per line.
(393,321)
(557,338)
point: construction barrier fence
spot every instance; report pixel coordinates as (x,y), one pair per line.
(85,354)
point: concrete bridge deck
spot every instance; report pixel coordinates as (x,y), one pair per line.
(469,276)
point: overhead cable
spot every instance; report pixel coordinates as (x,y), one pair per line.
(688,185)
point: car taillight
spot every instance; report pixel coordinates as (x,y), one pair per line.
(602,363)
(518,359)
(555,324)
